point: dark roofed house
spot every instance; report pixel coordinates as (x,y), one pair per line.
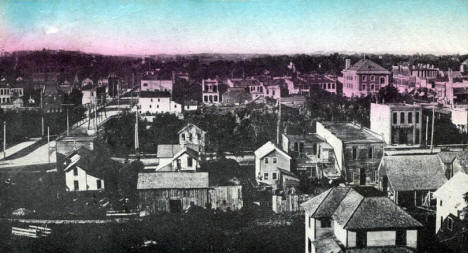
(358,219)
(172,191)
(411,180)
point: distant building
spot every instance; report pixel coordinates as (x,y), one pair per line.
(192,136)
(357,149)
(190,105)
(9,92)
(308,82)
(236,96)
(52,99)
(357,219)
(409,77)
(464,67)
(450,199)
(153,102)
(459,118)
(210,91)
(153,84)
(364,78)
(410,180)
(166,152)
(398,124)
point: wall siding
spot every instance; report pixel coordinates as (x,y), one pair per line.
(158,200)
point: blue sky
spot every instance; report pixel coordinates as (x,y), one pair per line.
(235,26)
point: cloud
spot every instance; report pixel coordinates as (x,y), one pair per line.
(52,30)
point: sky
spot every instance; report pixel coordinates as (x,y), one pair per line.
(147,27)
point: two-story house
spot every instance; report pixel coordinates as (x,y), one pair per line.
(358,150)
(155,102)
(192,136)
(355,219)
(399,124)
(273,166)
(450,198)
(312,156)
(185,159)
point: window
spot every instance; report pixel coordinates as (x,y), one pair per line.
(296,147)
(145,85)
(266,159)
(371,152)
(372,78)
(265,176)
(363,87)
(206,98)
(333,86)
(416,137)
(440,202)
(364,78)
(76,185)
(75,171)
(275,160)
(150,106)
(402,118)
(151,100)
(159,100)
(215,98)
(273,92)
(157,106)
(417,118)
(189,162)
(274,175)
(313,171)
(183,136)
(410,117)
(98,184)
(372,87)
(314,149)
(301,147)
(449,223)
(325,223)
(395,118)
(354,153)
(382,80)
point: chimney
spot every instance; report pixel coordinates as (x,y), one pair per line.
(347,63)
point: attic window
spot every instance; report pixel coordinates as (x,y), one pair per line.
(449,223)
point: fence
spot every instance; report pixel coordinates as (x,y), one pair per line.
(288,203)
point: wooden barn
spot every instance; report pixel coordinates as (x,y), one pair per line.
(226,197)
(172,191)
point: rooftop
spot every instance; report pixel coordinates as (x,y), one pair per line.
(172,180)
(413,172)
(349,132)
(359,208)
(366,66)
(168,150)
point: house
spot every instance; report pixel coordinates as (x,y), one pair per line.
(358,150)
(166,152)
(308,82)
(84,170)
(398,124)
(9,92)
(154,102)
(236,96)
(273,166)
(185,159)
(454,232)
(364,78)
(312,156)
(190,105)
(52,99)
(172,191)
(450,199)
(151,83)
(410,180)
(192,136)
(210,91)
(357,219)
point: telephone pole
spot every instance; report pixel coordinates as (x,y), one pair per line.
(432,132)
(4,139)
(48,144)
(278,125)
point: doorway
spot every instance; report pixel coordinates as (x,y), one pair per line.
(175,206)
(362,176)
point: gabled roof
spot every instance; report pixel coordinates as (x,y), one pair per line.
(457,185)
(168,150)
(172,180)
(366,66)
(88,160)
(359,208)
(186,150)
(416,172)
(188,126)
(268,148)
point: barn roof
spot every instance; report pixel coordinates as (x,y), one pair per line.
(410,173)
(268,148)
(168,150)
(172,180)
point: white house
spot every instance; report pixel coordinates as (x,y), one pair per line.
(270,163)
(80,174)
(89,95)
(450,198)
(192,136)
(355,219)
(186,159)
(210,91)
(154,103)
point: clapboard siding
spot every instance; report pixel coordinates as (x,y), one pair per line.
(157,200)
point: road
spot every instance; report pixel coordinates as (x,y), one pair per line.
(18,147)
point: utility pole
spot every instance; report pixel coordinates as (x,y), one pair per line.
(278,125)
(48,144)
(427,128)
(42,117)
(432,132)
(68,124)
(137,142)
(4,139)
